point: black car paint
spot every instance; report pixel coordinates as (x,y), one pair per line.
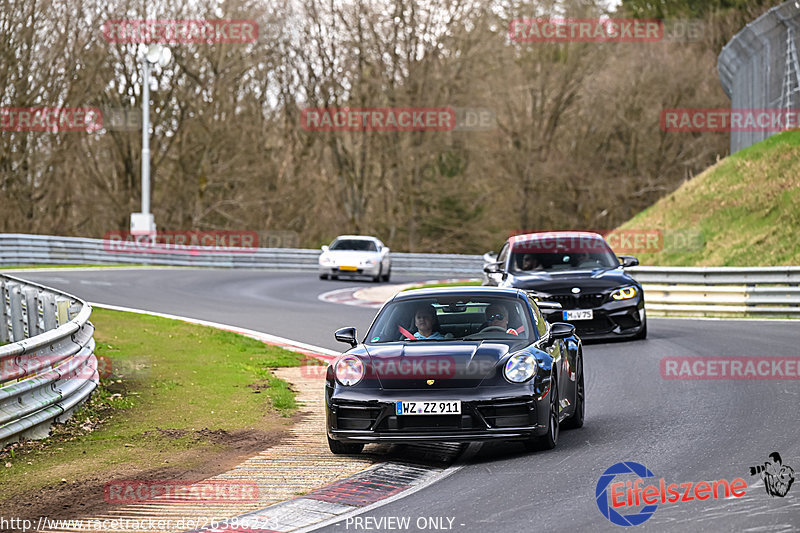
(624,317)
(483,391)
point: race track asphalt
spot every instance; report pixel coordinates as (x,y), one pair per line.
(682,430)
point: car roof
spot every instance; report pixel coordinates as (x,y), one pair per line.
(466,291)
(361,237)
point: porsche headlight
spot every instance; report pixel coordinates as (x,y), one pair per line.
(326,260)
(349,370)
(625,293)
(520,368)
(369,262)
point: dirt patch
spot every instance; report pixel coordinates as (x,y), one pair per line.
(79,498)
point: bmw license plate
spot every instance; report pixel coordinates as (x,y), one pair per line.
(445,407)
(578,314)
(349,268)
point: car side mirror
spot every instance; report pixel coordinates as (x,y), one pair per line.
(489,257)
(325,248)
(628,261)
(386,249)
(558,330)
(347,335)
(492,268)
(561,330)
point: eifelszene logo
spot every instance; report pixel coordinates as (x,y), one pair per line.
(613,498)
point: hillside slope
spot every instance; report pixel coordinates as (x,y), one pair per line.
(747,208)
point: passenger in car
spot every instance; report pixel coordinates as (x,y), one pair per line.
(428,324)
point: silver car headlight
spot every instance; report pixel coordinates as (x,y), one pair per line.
(349,370)
(520,368)
(625,293)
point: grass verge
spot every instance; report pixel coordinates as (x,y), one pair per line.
(176,392)
(747,208)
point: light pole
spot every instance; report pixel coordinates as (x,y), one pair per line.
(143,223)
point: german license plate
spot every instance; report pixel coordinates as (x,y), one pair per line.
(578,314)
(352,269)
(443,407)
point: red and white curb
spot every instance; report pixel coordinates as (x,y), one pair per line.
(360,493)
(375,297)
(347,297)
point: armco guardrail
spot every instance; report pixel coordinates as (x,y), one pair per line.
(47,362)
(19,249)
(721,291)
(713,291)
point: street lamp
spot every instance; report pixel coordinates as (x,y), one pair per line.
(143,223)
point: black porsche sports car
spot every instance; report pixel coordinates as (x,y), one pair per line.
(579,271)
(455,364)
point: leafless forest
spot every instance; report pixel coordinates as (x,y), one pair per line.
(576,141)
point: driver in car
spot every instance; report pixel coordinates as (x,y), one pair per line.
(497,317)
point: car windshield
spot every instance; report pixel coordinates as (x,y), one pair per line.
(358,245)
(446,318)
(561,253)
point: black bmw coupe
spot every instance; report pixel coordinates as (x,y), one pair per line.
(579,271)
(455,364)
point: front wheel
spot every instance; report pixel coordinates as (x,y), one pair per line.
(344,448)
(388,274)
(549,440)
(379,277)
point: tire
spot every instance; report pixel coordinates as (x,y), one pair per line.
(334,276)
(344,448)
(379,277)
(323,276)
(388,274)
(575,421)
(549,440)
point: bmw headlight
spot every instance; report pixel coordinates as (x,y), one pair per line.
(520,368)
(625,293)
(348,370)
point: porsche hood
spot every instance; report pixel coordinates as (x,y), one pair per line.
(415,365)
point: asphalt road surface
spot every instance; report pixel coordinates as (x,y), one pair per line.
(685,431)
